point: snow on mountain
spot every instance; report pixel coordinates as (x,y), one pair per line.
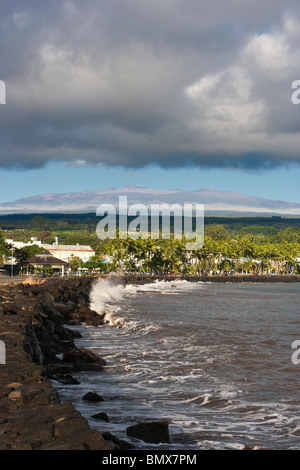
(215,201)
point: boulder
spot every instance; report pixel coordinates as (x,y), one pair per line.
(67,379)
(89,316)
(66,334)
(103,416)
(32,346)
(93,397)
(116,444)
(154,432)
(83,359)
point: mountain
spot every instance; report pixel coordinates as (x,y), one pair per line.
(215,202)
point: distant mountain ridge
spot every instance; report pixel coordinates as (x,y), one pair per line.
(215,201)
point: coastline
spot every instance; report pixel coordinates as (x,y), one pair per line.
(147,278)
(34,318)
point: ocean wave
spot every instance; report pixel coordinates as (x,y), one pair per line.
(107,293)
(165,287)
(106,297)
(103,293)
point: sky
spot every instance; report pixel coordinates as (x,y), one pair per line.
(169,94)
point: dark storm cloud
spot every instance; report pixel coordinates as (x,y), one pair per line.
(133,83)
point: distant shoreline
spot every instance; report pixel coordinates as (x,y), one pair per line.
(148,278)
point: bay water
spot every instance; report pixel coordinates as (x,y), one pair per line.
(213,359)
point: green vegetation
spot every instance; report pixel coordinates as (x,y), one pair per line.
(232,245)
(22,254)
(4,249)
(241,255)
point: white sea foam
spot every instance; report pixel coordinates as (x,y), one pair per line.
(165,287)
(104,298)
(103,292)
(107,290)
(107,293)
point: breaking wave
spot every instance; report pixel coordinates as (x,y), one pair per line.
(109,294)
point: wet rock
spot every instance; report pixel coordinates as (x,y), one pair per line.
(65,333)
(90,317)
(32,345)
(60,372)
(83,359)
(74,319)
(102,416)
(93,397)
(67,379)
(117,444)
(154,432)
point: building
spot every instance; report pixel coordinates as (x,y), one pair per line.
(66,252)
(18,245)
(62,252)
(42,260)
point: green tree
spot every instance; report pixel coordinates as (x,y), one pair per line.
(4,249)
(22,254)
(217,232)
(75,262)
(45,235)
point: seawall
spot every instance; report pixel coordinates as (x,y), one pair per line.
(32,327)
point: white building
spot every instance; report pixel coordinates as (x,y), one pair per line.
(66,252)
(19,245)
(62,252)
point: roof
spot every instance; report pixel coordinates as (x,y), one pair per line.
(68,247)
(45,259)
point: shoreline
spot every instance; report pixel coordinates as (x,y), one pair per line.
(34,319)
(147,278)
(136,278)
(33,327)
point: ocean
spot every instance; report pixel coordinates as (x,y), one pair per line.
(213,359)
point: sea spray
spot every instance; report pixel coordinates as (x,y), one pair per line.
(103,297)
(106,296)
(107,293)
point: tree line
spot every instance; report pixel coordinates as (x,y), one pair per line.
(217,256)
(252,250)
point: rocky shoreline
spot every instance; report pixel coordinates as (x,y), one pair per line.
(34,319)
(32,327)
